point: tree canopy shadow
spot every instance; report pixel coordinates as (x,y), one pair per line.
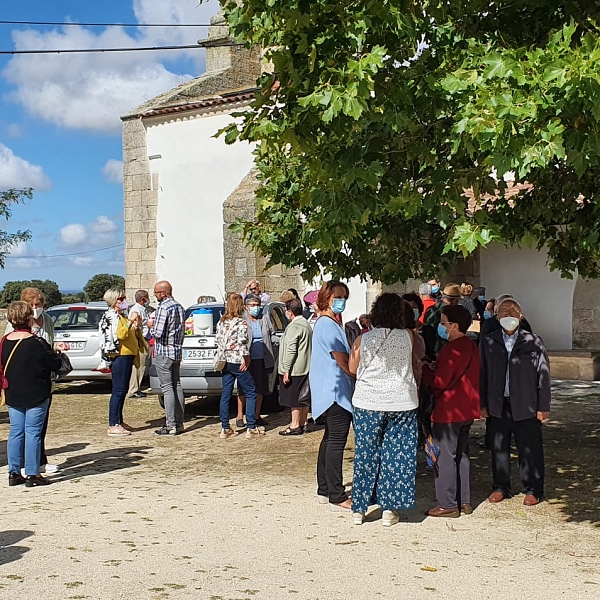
(10,551)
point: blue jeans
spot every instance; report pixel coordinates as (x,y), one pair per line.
(121,374)
(26,426)
(230,373)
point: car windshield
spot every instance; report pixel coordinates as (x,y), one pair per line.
(216,311)
(75,318)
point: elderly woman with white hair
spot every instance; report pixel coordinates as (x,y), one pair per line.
(121,342)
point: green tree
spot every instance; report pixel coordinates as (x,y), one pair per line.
(73,298)
(12,291)
(380,114)
(96,287)
(8,240)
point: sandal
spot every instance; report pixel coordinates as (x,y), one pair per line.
(290,431)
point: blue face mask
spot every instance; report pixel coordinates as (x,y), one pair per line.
(255,310)
(443,332)
(339,305)
(435,289)
(481,298)
(487,314)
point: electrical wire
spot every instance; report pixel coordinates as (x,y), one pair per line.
(69,254)
(70,23)
(104,50)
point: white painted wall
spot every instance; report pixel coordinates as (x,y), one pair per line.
(546,299)
(196,175)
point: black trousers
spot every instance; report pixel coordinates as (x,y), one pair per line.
(331,454)
(530,449)
(43,457)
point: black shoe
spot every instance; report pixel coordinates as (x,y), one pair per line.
(260,422)
(164,430)
(15,479)
(36,480)
(138,395)
(239,423)
(290,431)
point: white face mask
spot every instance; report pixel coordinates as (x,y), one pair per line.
(37,312)
(509,323)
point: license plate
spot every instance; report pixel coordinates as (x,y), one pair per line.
(199,353)
(74,345)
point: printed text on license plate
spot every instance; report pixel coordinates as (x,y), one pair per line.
(199,353)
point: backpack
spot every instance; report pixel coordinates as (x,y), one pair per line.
(352,330)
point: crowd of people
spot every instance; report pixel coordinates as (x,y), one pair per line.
(419,369)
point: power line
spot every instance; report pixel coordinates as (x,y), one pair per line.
(70,23)
(91,50)
(69,254)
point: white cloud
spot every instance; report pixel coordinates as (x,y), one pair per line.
(100,233)
(82,261)
(113,171)
(18,173)
(73,234)
(28,263)
(91,91)
(103,225)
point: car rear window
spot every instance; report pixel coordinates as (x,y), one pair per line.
(217,311)
(68,318)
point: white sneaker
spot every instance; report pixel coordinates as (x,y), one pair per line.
(255,433)
(117,431)
(322,499)
(358,518)
(389,518)
(49,468)
(227,433)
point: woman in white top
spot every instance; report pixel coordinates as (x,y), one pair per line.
(385,405)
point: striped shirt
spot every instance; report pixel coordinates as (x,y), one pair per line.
(168,328)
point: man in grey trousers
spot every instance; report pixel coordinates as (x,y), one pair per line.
(168,329)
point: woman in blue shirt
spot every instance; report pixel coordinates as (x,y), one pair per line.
(332,386)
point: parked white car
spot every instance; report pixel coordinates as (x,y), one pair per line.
(76,326)
(198,378)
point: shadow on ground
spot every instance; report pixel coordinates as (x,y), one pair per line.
(9,550)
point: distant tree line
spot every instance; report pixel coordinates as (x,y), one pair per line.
(93,290)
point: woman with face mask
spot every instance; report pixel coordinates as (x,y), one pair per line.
(454,382)
(262,358)
(121,343)
(331,387)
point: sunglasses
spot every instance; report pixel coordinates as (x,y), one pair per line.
(121,298)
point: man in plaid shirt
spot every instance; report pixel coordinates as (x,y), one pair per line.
(168,330)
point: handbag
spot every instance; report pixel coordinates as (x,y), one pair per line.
(219,361)
(3,380)
(65,365)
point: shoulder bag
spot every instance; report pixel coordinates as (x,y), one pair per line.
(3,380)
(219,361)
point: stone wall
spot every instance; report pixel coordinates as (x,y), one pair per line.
(140,202)
(586,314)
(242,263)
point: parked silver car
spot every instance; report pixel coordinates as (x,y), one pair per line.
(76,326)
(198,377)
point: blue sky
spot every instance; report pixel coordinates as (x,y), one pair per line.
(60,127)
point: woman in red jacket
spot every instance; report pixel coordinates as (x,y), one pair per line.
(454,382)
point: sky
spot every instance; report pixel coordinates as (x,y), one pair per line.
(60,131)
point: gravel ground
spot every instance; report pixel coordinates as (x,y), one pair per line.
(197,517)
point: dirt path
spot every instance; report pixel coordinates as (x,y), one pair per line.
(196,517)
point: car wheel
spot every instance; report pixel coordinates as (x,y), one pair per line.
(161,401)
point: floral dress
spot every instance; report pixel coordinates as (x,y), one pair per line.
(232,340)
